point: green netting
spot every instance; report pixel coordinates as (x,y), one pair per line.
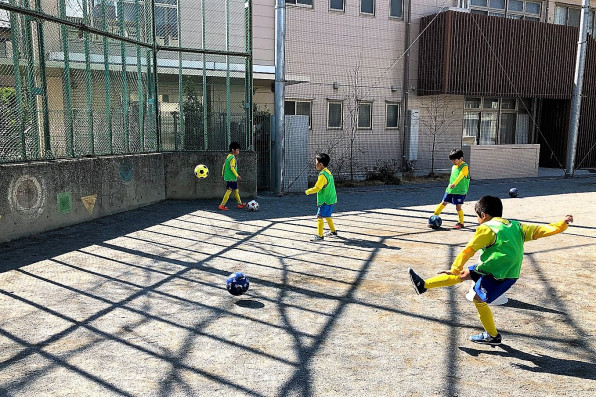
(97,77)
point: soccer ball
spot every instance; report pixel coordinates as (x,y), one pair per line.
(513,192)
(435,222)
(237,283)
(253,205)
(201,171)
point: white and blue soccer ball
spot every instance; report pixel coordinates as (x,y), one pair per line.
(237,283)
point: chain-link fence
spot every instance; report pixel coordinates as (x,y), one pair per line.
(95,77)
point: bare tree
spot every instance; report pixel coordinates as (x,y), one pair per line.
(435,119)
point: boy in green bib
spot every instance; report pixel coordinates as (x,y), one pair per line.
(231,177)
(326,196)
(456,191)
(501,245)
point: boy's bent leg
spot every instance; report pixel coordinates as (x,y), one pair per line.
(442,280)
(440,208)
(237,197)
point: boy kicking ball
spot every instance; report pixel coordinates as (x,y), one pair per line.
(501,245)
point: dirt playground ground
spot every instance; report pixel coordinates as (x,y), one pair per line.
(135,304)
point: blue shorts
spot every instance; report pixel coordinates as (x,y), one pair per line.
(454,198)
(325,210)
(232,185)
(487,287)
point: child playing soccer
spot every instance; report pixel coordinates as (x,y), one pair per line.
(231,177)
(501,245)
(326,196)
(456,191)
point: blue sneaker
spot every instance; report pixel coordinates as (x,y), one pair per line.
(417,281)
(485,339)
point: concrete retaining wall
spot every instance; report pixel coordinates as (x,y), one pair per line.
(46,195)
(502,161)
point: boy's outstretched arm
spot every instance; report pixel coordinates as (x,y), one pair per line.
(534,232)
(318,186)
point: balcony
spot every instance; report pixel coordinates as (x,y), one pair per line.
(472,54)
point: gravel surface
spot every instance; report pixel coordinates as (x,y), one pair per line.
(135,304)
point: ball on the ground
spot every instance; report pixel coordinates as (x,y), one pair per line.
(237,283)
(435,221)
(201,171)
(252,205)
(513,192)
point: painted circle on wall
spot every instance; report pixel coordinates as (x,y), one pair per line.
(126,171)
(27,196)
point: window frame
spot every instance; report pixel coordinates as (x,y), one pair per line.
(370,112)
(398,117)
(496,113)
(296,4)
(374,8)
(402,10)
(296,101)
(507,13)
(341,121)
(343,9)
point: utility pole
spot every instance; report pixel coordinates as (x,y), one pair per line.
(576,99)
(280,92)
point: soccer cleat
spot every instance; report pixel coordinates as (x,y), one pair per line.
(331,234)
(317,238)
(222,208)
(458,226)
(241,205)
(485,339)
(417,281)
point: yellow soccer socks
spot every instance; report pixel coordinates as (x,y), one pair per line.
(486,318)
(442,280)
(237,196)
(320,227)
(460,215)
(226,197)
(439,208)
(330,223)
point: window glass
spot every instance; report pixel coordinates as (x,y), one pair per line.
(507,129)
(364,115)
(533,8)
(290,108)
(471,126)
(367,6)
(491,103)
(481,3)
(336,5)
(392,115)
(560,15)
(515,5)
(508,103)
(304,2)
(497,4)
(573,17)
(334,115)
(472,103)
(488,129)
(396,8)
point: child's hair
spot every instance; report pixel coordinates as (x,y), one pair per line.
(234,146)
(490,205)
(323,159)
(456,154)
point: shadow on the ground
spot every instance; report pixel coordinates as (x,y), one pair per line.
(540,362)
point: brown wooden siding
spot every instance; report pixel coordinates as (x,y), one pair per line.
(472,54)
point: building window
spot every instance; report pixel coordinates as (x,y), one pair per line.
(334,114)
(3,51)
(396,9)
(364,115)
(307,3)
(514,9)
(336,5)
(570,16)
(496,121)
(392,119)
(367,7)
(299,108)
